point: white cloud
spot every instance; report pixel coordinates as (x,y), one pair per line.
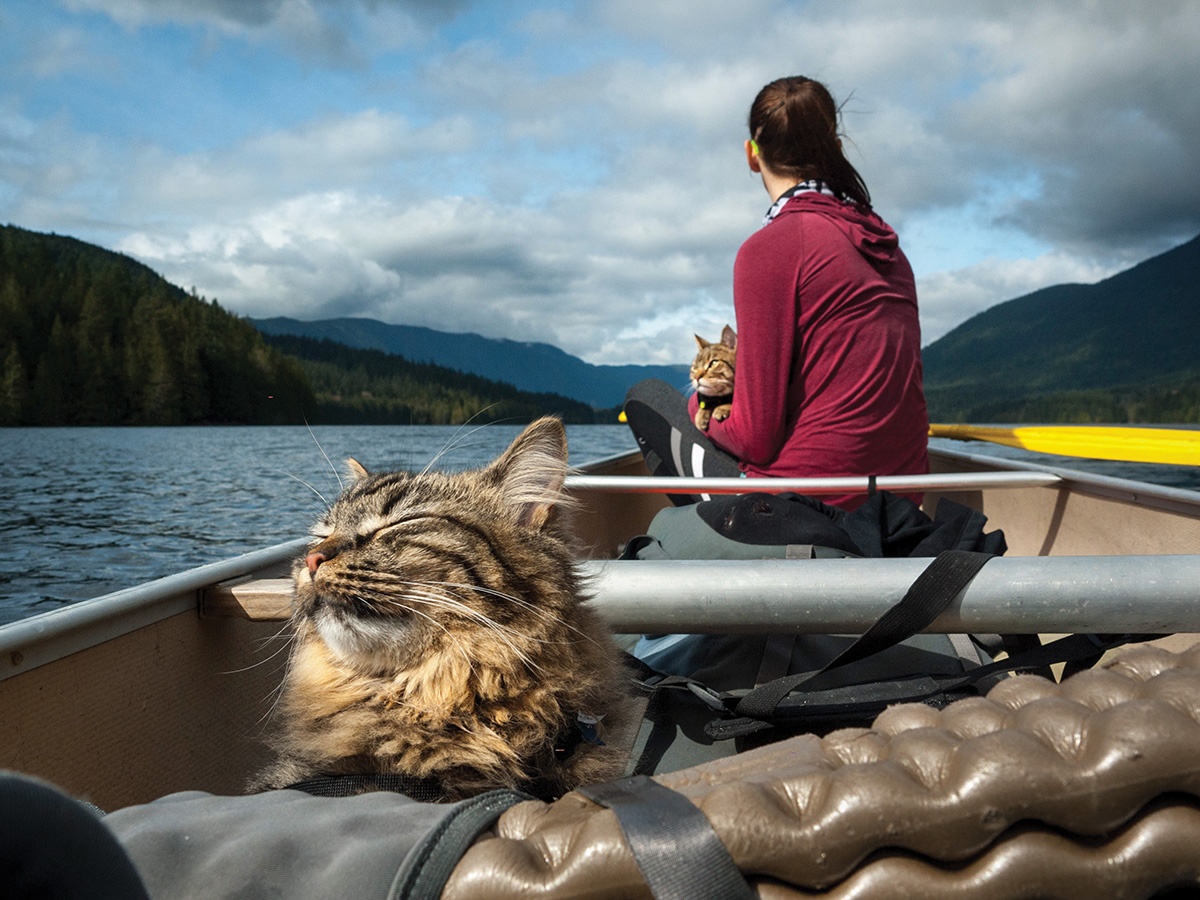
(328,32)
(577,176)
(949,298)
(67,50)
(1095,98)
(457,264)
(333,152)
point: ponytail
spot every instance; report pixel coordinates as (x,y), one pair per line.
(794,122)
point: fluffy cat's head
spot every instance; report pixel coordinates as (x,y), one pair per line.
(713,368)
(404,562)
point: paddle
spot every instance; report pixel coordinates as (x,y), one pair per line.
(1152,445)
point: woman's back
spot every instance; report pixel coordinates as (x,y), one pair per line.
(840,391)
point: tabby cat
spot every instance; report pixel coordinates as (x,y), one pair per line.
(712,377)
(439,635)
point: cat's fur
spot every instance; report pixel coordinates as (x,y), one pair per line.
(439,634)
(712,376)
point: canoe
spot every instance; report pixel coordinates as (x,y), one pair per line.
(166,687)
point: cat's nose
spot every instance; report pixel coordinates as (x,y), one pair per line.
(314,560)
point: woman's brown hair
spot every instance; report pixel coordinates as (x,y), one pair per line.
(794,122)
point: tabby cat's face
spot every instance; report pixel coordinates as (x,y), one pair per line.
(403,560)
(713,368)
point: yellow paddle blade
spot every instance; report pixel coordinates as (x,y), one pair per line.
(621,417)
(1152,445)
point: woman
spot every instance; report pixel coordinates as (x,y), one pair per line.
(828,377)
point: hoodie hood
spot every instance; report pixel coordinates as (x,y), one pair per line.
(865,230)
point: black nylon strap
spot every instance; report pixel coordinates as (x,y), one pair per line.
(427,867)
(426,790)
(675,847)
(877,696)
(933,591)
(926,599)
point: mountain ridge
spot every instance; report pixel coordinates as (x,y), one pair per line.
(1129,335)
(528,366)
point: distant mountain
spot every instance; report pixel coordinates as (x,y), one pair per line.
(1123,349)
(534,367)
(356,386)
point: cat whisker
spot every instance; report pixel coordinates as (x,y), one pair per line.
(306,484)
(524,604)
(462,609)
(466,657)
(455,440)
(546,616)
(455,603)
(460,606)
(284,646)
(278,691)
(284,633)
(333,468)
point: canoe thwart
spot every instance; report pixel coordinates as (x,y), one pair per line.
(1012,595)
(248,597)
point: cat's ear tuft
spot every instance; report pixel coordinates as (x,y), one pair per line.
(729,337)
(532,470)
(701,341)
(355,468)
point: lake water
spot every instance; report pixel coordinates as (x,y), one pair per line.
(94,510)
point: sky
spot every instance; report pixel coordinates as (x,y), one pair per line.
(573,173)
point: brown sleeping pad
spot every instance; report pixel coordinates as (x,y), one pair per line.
(1089,788)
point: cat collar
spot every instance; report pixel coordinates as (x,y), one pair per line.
(707,402)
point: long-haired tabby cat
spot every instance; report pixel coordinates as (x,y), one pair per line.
(712,377)
(439,635)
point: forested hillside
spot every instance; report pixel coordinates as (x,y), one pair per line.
(372,387)
(91,337)
(1121,350)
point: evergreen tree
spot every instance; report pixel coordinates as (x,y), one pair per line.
(13,388)
(50,396)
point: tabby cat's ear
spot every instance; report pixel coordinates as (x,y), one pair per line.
(702,342)
(355,468)
(532,470)
(729,337)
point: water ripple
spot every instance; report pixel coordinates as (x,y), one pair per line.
(95,510)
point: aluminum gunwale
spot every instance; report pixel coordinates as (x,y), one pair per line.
(37,640)
(1141,492)
(812,486)
(1154,496)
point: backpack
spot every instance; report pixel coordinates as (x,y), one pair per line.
(288,843)
(710,696)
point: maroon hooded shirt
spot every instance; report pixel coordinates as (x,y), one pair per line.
(829,349)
